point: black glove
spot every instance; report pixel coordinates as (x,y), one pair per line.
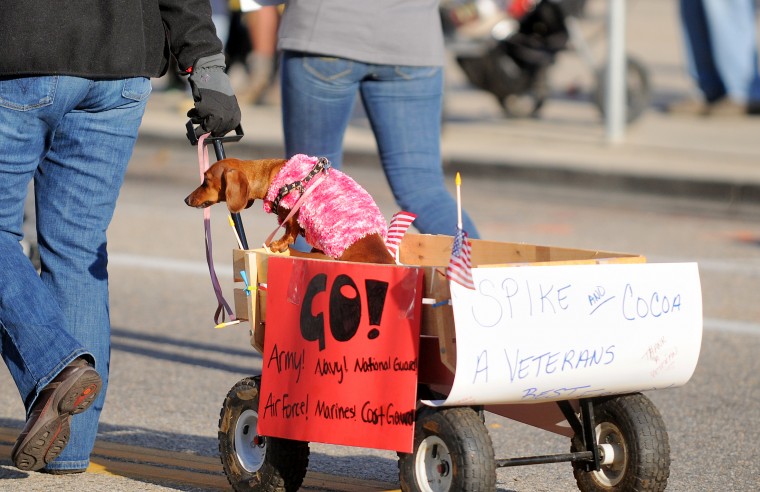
(216,108)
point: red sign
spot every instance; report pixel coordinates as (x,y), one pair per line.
(341,353)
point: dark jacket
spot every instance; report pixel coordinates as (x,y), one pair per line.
(101,39)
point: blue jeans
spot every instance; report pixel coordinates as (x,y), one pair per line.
(74,138)
(721,48)
(403,105)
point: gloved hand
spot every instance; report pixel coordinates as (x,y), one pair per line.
(216,108)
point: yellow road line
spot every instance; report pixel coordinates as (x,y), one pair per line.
(151,455)
(109,458)
(158,472)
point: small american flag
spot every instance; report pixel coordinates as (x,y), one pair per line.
(400,222)
(460,268)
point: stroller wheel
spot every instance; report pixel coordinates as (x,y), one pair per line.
(638,91)
(528,103)
(521,105)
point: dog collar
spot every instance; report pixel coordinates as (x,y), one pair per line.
(322,165)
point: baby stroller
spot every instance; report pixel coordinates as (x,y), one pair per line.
(507,47)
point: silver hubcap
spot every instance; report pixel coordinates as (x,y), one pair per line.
(250,448)
(432,465)
(616,459)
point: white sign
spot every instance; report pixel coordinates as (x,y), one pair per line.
(542,333)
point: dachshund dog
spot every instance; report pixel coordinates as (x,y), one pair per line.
(337,216)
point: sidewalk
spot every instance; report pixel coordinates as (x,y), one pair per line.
(717,158)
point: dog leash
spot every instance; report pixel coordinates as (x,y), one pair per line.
(203,164)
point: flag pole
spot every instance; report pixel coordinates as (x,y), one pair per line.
(458,182)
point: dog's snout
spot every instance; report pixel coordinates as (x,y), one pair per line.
(191,201)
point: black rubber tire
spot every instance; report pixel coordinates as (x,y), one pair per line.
(282,462)
(635,426)
(638,90)
(462,445)
(528,103)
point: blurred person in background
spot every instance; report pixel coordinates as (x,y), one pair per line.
(261,22)
(721,56)
(220,15)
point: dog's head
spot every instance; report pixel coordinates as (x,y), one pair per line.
(236,182)
(222,182)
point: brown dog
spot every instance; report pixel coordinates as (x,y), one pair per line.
(331,217)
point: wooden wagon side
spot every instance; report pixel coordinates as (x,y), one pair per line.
(430,252)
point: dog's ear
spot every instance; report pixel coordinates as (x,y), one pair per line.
(235,190)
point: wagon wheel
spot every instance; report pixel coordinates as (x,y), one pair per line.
(452,452)
(638,91)
(253,462)
(635,447)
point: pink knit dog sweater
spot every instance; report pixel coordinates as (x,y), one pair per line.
(336,214)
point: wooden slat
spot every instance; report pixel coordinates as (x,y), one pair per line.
(435,250)
(240,297)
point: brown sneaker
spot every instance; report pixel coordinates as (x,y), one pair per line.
(688,107)
(67,471)
(47,430)
(726,108)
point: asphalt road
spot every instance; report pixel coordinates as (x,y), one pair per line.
(171,369)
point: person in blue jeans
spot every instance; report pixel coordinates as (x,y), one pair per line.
(391,54)
(721,55)
(73,88)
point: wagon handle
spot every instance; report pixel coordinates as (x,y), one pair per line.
(193,135)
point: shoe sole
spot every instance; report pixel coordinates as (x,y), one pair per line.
(47,439)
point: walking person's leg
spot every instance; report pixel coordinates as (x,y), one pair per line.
(700,59)
(76,187)
(733,43)
(262,29)
(404,107)
(318,97)
(34,344)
